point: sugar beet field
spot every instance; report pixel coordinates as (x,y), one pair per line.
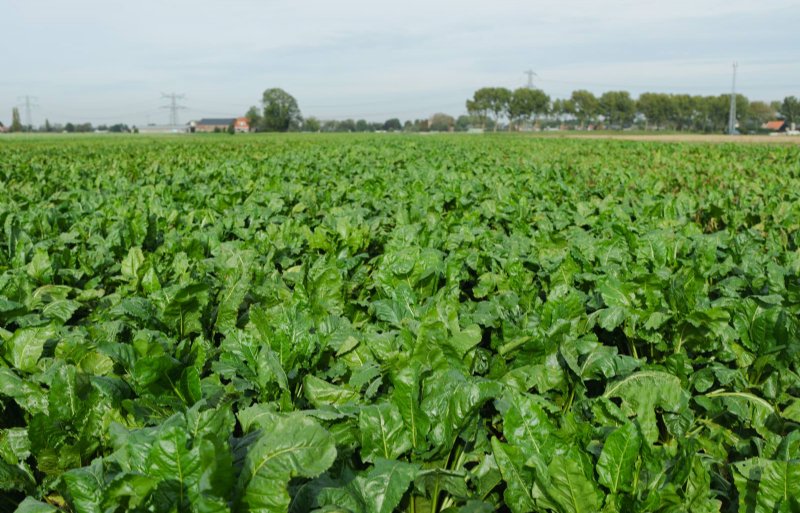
(385,323)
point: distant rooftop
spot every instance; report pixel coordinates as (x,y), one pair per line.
(216,121)
(774,125)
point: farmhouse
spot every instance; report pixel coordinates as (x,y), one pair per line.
(241,125)
(213,124)
(775,126)
(220,124)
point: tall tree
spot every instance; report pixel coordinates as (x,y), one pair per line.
(362,125)
(16,124)
(253,117)
(527,104)
(463,123)
(557,108)
(688,112)
(393,125)
(790,109)
(281,112)
(441,122)
(347,125)
(494,100)
(561,108)
(618,108)
(478,109)
(499,100)
(311,124)
(658,108)
(585,106)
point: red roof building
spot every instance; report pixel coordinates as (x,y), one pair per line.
(241,125)
(775,126)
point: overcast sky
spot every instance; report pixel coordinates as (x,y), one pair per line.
(105,61)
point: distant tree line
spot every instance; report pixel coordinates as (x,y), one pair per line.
(517,107)
(47,127)
(439,122)
(499,106)
(279,112)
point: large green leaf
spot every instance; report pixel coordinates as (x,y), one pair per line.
(85,487)
(767,485)
(451,400)
(525,423)
(15,478)
(383,433)
(570,487)
(131,264)
(643,391)
(249,362)
(617,462)
(26,346)
(379,490)
(178,467)
(40,267)
(406,396)
(293,446)
(616,294)
(28,395)
(321,393)
(792,412)
(30,505)
(753,410)
(61,309)
(518,479)
(64,399)
(236,282)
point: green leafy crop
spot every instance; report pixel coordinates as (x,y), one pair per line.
(387,323)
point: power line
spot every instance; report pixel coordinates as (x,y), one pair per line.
(173,107)
(28,105)
(732,113)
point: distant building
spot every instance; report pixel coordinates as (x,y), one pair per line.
(778,125)
(3,129)
(241,125)
(159,129)
(213,124)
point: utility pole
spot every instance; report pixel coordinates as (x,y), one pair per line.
(732,113)
(173,107)
(530,74)
(28,104)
